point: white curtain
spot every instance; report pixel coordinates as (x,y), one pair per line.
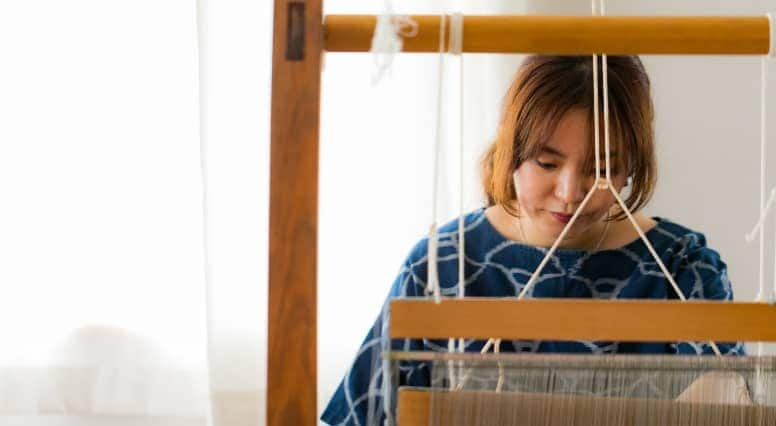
(105,315)
(102,313)
(236,63)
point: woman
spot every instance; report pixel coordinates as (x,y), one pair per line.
(535,175)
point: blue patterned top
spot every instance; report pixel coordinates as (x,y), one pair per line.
(498,267)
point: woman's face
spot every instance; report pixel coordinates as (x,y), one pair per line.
(551,186)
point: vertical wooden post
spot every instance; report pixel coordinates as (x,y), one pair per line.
(293,217)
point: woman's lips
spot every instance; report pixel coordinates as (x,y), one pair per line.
(561,217)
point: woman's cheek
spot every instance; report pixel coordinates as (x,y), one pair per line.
(603,203)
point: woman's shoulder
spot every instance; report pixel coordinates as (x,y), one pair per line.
(685,242)
(679,234)
(699,269)
(475,227)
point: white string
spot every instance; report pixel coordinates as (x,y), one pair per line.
(456,33)
(456,48)
(433,238)
(764,141)
(756,230)
(765,208)
(500,382)
(605,78)
(772,32)
(657,259)
(596,124)
(387,39)
(557,242)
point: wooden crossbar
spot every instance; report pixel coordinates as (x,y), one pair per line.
(575,319)
(745,35)
(415,409)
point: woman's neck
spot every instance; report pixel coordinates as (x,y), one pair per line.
(591,239)
(619,233)
(521,229)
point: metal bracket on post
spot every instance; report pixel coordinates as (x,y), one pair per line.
(295,31)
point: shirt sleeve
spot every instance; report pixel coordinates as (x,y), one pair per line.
(701,274)
(364,396)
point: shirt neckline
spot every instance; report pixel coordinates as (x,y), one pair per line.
(571,251)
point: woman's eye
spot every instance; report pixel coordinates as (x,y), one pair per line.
(545,166)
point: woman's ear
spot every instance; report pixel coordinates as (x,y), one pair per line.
(515,183)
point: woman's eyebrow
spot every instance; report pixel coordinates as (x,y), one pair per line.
(552,151)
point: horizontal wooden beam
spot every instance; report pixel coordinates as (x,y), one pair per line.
(415,409)
(583,319)
(568,35)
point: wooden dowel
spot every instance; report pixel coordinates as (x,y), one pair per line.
(583,319)
(571,35)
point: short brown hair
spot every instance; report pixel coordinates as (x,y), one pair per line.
(544,90)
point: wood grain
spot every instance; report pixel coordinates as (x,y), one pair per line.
(415,409)
(583,319)
(293,224)
(571,35)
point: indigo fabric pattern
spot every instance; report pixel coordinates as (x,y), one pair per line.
(498,267)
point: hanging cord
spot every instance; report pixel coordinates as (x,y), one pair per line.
(765,207)
(432,279)
(759,388)
(764,128)
(757,231)
(456,48)
(456,44)
(387,40)
(456,40)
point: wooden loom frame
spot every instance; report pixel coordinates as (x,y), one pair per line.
(301,35)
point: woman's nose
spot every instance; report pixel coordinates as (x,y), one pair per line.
(571,187)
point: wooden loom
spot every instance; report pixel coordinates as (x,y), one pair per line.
(301,36)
